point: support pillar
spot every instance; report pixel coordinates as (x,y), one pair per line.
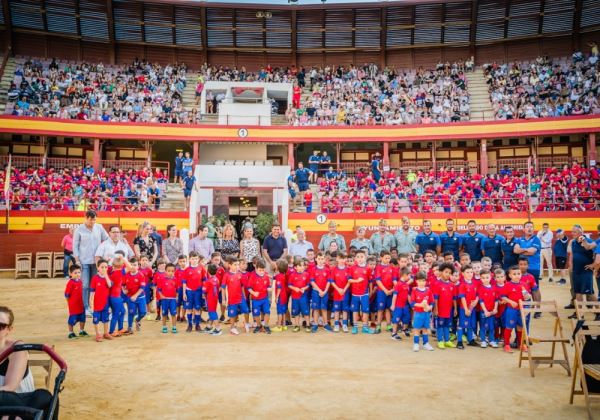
(592,149)
(290,156)
(433,156)
(534,154)
(386,156)
(196,152)
(338,154)
(96,156)
(148,147)
(483,158)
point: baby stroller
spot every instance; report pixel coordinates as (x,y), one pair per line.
(39,404)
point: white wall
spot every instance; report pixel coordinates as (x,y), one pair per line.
(244,114)
(209,153)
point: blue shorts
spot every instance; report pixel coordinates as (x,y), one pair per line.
(179,172)
(300,306)
(500,321)
(261,306)
(168,306)
(421,320)
(282,308)
(317,302)
(100,316)
(303,186)
(536,275)
(383,301)
(512,318)
(187,193)
(342,305)
(292,192)
(237,309)
(465,321)
(74,319)
(583,283)
(212,316)
(194,299)
(314,168)
(444,322)
(401,315)
(360,304)
(137,306)
(149,293)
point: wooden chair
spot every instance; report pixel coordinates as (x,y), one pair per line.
(527,309)
(43,264)
(45,362)
(586,314)
(23,265)
(58,258)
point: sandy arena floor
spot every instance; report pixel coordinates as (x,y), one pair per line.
(155,375)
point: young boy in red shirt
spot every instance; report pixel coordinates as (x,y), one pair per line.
(360,286)
(193,277)
(499,288)
(74,297)
(157,276)
(210,288)
(489,307)
(341,297)
(259,288)
(445,305)
(281,294)
(320,279)
(146,270)
(385,278)
(99,291)
(135,283)
(166,295)
(298,282)
(513,294)
(179,276)
(467,303)
(232,285)
(400,305)
(422,302)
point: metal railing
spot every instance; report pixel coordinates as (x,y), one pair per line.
(58,163)
(136,165)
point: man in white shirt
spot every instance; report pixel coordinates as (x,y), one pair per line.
(114,243)
(300,246)
(546,236)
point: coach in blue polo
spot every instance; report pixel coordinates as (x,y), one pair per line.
(450,240)
(274,247)
(509,258)
(427,240)
(472,240)
(492,244)
(530,246)
(302,177)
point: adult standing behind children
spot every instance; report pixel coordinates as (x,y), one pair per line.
(406,238)
(67,245)
(382,240)
(530,246)
(227,245)
(86,240)
(274,248)
(107,249)
(249,246)
(172,246)
(144,244)
(300,247)
(330,237)
(201,243)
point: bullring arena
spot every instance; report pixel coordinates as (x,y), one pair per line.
(299,208)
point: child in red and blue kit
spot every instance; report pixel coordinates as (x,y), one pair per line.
(360,286)
(513,294)
(385,278)
(117,297)
(157,276)
(74,297)
(320,280)
(193,277)
(445,305)
(232,284)
(489,307)
(341,296)
(146,270)
(246,294)
(422,302)
(135,283)
(259,286)
(308,198)
(211,287)
(281,295)
(179,276)
(298,282)
(467,303)
(166,295)
(400,305)
(99,291)
(500,289)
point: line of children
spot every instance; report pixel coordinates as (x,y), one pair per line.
(455,301)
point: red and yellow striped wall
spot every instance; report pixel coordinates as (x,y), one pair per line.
(207,133)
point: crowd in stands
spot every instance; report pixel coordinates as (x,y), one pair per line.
(570,188)
(368,95)
(80,188)
(138,92)
(545,87)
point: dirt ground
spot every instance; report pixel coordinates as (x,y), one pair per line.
(155,375)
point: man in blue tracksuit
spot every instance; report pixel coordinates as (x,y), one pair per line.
(492,244)
(302,177)
(450,240)
(530,246)
(471,241)
(509,258)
